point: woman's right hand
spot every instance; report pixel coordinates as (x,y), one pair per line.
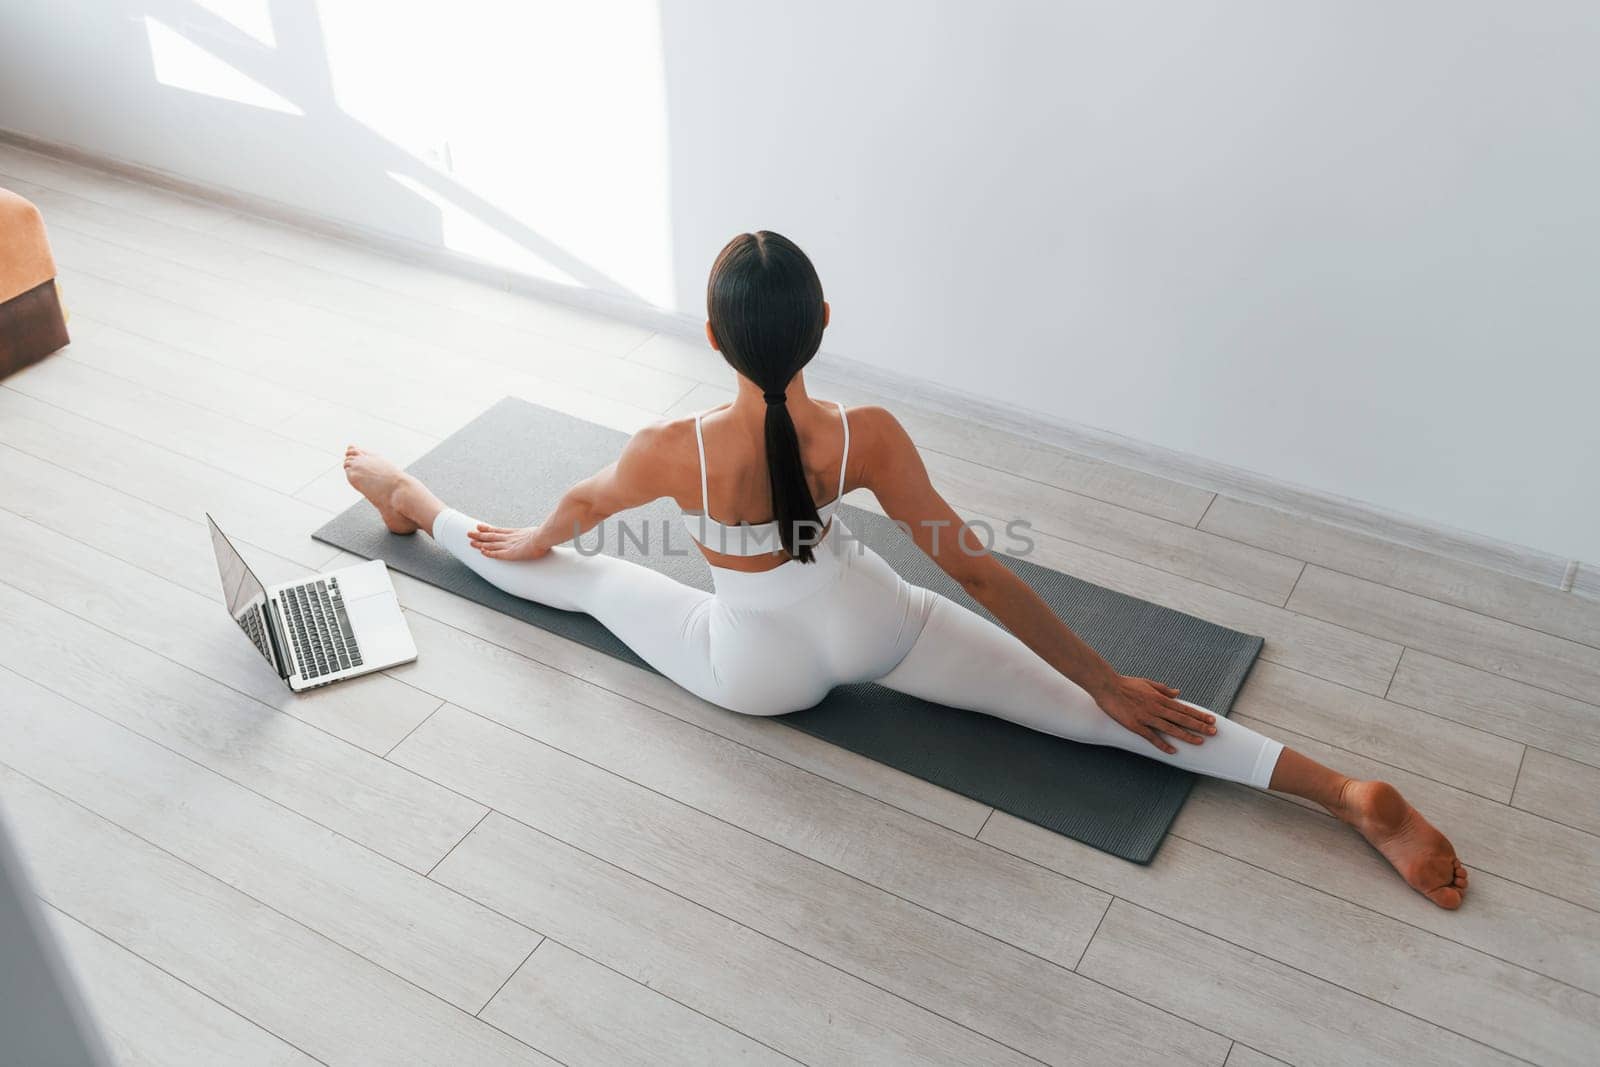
(501,542)
(1154,712)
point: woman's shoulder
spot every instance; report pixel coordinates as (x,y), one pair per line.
(868,415)
(663,439)
(879,446)
(664,453)
(873,425)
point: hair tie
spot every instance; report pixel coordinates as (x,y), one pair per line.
(773,398)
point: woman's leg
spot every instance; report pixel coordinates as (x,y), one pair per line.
(966,661)
(664,621)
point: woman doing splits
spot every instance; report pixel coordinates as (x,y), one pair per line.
(800,606)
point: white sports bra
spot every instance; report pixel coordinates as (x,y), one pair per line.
(746,539)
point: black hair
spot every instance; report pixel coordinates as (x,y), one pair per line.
(764,301)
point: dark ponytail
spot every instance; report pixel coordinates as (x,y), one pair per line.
(764,301)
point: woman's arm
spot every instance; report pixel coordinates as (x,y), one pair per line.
(892,468)
(637,477)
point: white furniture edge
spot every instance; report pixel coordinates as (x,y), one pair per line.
(1531,564)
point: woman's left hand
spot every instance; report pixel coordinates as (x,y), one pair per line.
(500,542)
(1154,712)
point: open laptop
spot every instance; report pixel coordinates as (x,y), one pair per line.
(321,629)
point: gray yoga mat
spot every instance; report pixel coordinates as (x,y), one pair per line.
(511,464)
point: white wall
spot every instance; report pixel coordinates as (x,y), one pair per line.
(1353,245)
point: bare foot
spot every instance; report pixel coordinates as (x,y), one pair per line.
(380,482)
(1421,854)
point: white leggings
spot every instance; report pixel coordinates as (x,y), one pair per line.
(777,641)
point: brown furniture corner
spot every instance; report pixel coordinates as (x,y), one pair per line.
(31,323)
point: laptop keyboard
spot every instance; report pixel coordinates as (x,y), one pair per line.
(250,623)
(324,643)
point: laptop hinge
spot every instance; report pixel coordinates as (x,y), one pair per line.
(280,646)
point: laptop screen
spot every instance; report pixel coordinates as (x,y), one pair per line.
(245,594)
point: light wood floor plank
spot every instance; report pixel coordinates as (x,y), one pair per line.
(1560,789)
(1503,1006)
(1489,592)
(324,370)
(120,525)
(134,198)
(429,391)
(1498,705)
(315,257)
(942,870)
(389,914)
(1327,651)
(547,1001)
(185,626)
(320,260)
(1436,748)
(686,357)
(1586,583)
(1245,1056)
(325,426)
(700,399)
(1302,1019)
(1151,494)
(329,781)
(150,1019)
(238,951)
(158,476)
(263,298)
(755,984)
(1018,999)
(1166,546)
(652,690)
(1552,663)
(1502,918)
(259,456)
(331,490)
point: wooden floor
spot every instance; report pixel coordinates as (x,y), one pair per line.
(516,850)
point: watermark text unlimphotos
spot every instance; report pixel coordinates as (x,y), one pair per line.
(647,536)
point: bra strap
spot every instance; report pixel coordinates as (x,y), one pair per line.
(845,459)
(700,443)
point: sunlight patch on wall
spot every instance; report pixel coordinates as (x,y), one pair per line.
(554,114)
(251,17)
(182,64)
(464,232)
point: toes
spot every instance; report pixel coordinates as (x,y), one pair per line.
(1441,874)
(1450,894)
(1447,897)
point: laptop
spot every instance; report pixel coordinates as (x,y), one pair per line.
(320,629)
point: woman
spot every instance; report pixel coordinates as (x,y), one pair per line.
(799,606)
